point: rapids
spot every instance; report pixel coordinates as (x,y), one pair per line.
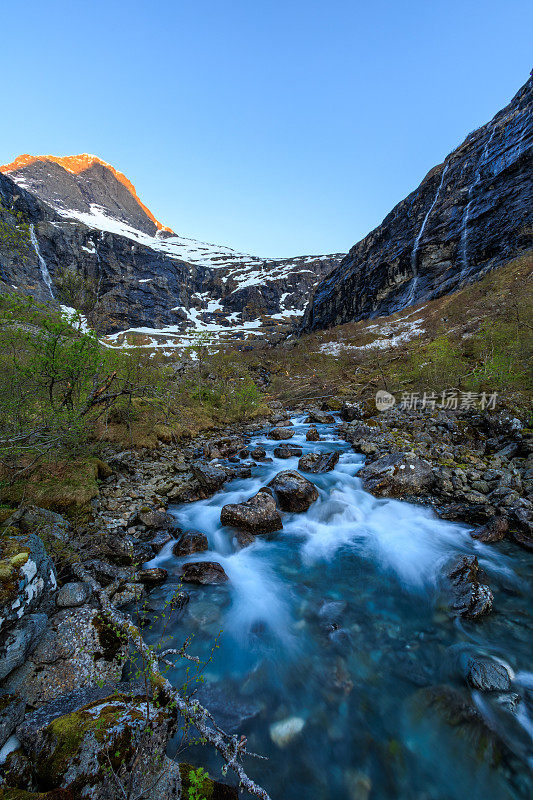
(336,627)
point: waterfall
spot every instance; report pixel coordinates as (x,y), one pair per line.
(42,263)
(414,279)
(466,217)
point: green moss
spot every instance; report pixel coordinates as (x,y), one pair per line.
(14,556)
(111,640)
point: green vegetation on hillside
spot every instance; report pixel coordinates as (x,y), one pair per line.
(63,394)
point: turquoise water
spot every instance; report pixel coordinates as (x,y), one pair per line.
(337,624)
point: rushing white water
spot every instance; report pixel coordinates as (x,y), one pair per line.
(42,263)
(374,566)
(466,217)
(414,266)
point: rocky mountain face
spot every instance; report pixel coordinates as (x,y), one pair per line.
(79,217)
(469,215)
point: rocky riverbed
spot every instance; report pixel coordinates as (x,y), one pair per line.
(300,548)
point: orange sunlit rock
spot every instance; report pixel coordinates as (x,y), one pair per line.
(80,163)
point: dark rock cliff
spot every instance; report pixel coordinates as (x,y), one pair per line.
(137,285)
(469,214)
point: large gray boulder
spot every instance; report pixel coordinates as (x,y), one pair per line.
(19,641)
(259,514)
(130,734)
(26,576)
(398,475)
(293,492)
(79,648)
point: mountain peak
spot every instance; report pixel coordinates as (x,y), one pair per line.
(77,165)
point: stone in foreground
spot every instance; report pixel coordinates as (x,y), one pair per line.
(318,462)
(204,572)
(257,515)
(397,475)
(293,491)
(312,434)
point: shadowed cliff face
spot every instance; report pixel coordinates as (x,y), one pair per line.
(468,215)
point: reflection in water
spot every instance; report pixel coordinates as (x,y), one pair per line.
(333,633)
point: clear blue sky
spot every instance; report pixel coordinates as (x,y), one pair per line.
(278,128)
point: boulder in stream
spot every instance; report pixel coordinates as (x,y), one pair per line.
(257,515)
(318,462)
(293,492)
(190,542)
(287,451)
(204,572)
(487,674)
(312,434)
(472,598)
(397,475)
(281,433)
(321,417)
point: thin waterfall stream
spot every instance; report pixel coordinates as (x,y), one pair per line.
(42,263)
(338,657)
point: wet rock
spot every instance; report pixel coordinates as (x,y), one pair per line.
(26,576)
(78,648)
(397,475)
(281,433)
(318,462)
(257,515)
(104,572)
(230,710)
(494,531)
(19,641)
(152,577)
(472,598)
(258,453)
(487,675)
(159,541)
(69,752)
(284,732)
(211,478)
(312,434)
(11,714)
(190,542)
(127,594)
(293,492)
(351,411)
(204,572)
(319,417)
(244,453)
(73,594)
(244,539)
(224,447)
(153,518)
(287,451)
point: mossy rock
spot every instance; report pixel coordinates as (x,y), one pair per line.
(66,487)
(210,789)
(25,573)
(76,751)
